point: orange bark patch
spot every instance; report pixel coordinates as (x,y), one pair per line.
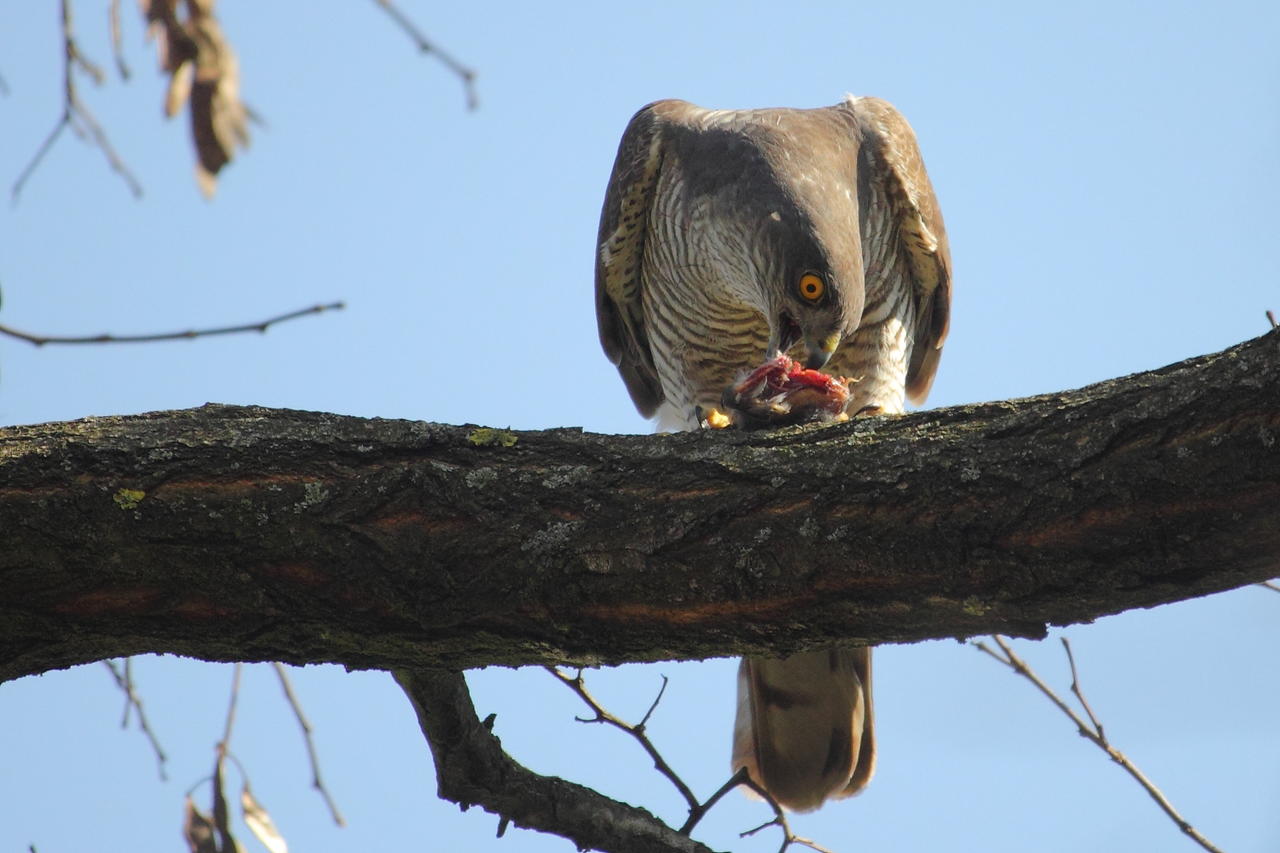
(302,574)
(396,522)
(200,608)
(717,611)
(113,601)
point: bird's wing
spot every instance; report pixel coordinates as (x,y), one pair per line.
(620,257)
(889,140)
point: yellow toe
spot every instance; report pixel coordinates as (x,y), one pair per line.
(716,419)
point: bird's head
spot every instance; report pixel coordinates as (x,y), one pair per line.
(799,220)
(814,307)
(811,283)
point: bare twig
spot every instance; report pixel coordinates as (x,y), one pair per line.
(698,813)
(124,680)
(231,712)
(464,73)
(644,721)
(779,820)
(128,677)
(1093,731)
(578,686)
(305,725)
(1271,585)
(73,53)
(472,769)
(113,20)
(75,114)
(1272,318)
(697,810)
(1075,688)
(262,326)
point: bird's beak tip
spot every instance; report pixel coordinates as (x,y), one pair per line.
(820,352)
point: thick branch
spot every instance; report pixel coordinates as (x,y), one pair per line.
(472,769)
(232,533)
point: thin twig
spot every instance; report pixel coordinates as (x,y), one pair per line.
(464,73)
(117,49)
(1271,585)
(305,725)
(262,326)
(644,721)
(1094,733)
(1272,318)
(779,820)
(124,680)
(697,810)
(231,711)
(579,687)
(74,54)
(73,111)
(696,815)
(128,702)
(99,135)
(1075,688)
(39,155)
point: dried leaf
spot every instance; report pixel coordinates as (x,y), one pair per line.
(179,91)
(198,829)
(172,43)
(205,77)
(260,823)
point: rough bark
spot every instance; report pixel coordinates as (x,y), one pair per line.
(472,769)
(230,533)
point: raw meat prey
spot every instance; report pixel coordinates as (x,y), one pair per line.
(781,392)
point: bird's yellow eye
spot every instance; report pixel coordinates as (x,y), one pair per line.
(811,287)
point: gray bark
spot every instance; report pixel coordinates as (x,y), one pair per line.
(232,533)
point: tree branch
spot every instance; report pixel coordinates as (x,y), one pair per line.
(153,337)
(231,533)
(472,769)
(1093,731)
(305,725)
(75,114)
(578,685)
(425,45)
(124,680)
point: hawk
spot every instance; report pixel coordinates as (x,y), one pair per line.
(732,236)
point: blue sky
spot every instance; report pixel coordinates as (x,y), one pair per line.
(1107,173)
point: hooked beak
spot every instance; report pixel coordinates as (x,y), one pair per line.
(787,333)
(819,352)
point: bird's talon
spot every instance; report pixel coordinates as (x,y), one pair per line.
(714,419)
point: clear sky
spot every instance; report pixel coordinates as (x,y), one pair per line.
(1108,174)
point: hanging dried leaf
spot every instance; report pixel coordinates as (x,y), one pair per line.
(204,75)
(260,823)
(172,43)
(179,90)
(198,829)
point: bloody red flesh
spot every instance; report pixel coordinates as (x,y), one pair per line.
(782,390)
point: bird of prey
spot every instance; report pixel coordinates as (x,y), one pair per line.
(731,236)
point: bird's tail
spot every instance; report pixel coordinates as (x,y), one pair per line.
(804,726)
